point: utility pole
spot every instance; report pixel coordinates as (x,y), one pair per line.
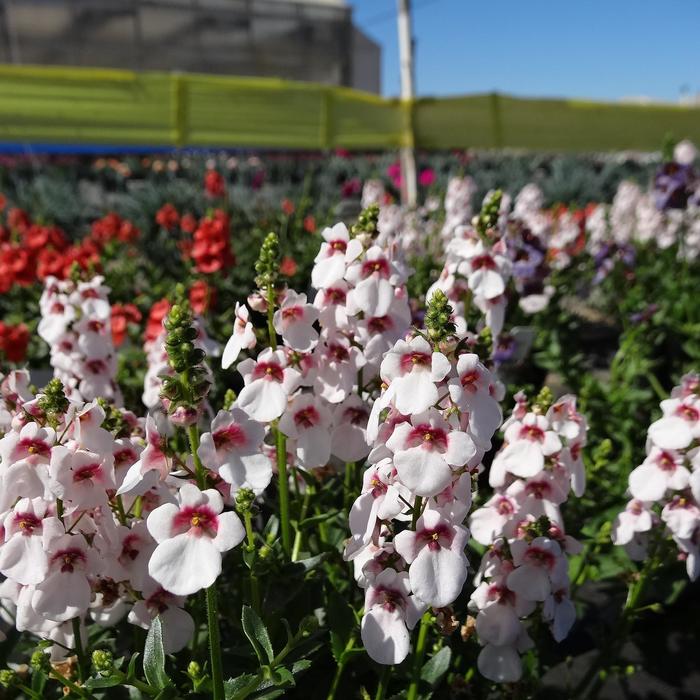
(409,188)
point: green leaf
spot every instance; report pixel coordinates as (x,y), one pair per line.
(437,667)
(233,686)
(154,657)
(131,669)
(315,519)
(256,632)
(100,682)
(301,665)
(341,622)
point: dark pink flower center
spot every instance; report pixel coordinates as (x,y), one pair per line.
(415,359)
(380,324)
(666,462)
(469,380)
(536,556)
(27,522)
(159,602)
(539,489)
(333,296)
(198,520)
(429,437)
(87,472)
(389,599)
(230,437)
(504,506)
(96,366)
(483,261)
(130,549)
(68,559)
(338,245)
(32,446)
(356,416)
(292,313)
(307,417)
(435,538)
(338,353)
(95,326)
(531,432)
(268,370)
(688,413)
(124,456)
(379,266)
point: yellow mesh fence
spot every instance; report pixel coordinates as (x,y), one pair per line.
(95,106)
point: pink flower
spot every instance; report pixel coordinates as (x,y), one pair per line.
(294,322)
(233,449)
(152,458)
(435,552)
(330,263)
(390,611)
(680,424)
(268,383)
(426,450)
(308,422)
(242,337)
(537,565)
(661,470)
(411,369)
(191,537)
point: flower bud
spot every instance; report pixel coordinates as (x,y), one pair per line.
(102,662)
(9,678)
(40,661)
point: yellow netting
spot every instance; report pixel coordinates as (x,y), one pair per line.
(95,106)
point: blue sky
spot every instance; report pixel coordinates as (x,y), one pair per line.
(599,49)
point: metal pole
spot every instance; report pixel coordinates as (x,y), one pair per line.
(409,189)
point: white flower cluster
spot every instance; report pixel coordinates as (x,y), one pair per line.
(76,324)
(665,488)
(522,525)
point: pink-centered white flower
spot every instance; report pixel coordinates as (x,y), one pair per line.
(268,383)
(192,535)
(435,553)
(294,322)
(307,421)
(412,369)
(426,451)
(242,337)
(233,449)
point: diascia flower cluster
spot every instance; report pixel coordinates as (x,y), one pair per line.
(76,325)
(525,570)
(430,428)
(665,488)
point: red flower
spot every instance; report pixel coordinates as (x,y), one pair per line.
(427,177)
(167,217)
(288,206)
(112,227)
(3,202)
(351,188)
(214,184)
(202,297)
(122,316)
(211,249)
(154,325)
(50,263)
(288,266)
(14,341)
(18,220)
(310,223)
(188,223)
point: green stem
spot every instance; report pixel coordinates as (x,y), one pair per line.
(302,514)
(283,478)
(254,584)
(200,471)
(272,333)
(342,663)
(217,677)
(349,489)
(383,685)
(417,505)
(79,651)
(418,655)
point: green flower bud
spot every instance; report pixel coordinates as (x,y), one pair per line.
(543,400)
(437,317)
(40,661)
(488,217)
(244,500)
(229,399)
(9,678)
(366,222)
(102,662)
(194,670)
(267,266)
(308,626)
